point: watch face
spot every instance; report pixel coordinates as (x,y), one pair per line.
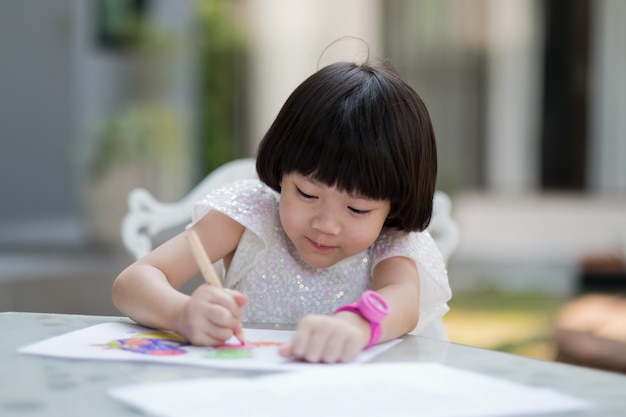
(373,306)
(377,304)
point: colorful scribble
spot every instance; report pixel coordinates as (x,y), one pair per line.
(156,344)
(169,344)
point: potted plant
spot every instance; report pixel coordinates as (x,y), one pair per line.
(140,145)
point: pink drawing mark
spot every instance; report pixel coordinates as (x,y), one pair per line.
(247,345)
(238,351)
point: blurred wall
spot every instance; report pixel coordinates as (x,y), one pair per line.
(37,180)
(607,158)
(288,42)
(513,95)
(58,84)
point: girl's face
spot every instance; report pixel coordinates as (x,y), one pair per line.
(327,225)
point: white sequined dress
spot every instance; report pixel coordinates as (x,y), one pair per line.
(282,288)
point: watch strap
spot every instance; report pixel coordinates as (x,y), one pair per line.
(376,330)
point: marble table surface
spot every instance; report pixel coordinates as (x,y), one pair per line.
(33,386)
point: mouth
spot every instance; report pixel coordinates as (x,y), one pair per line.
(320,247)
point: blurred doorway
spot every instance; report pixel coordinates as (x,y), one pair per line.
(565,95)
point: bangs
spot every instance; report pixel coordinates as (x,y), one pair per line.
(355,159)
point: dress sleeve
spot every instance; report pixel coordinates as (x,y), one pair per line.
(253,205)
(434,287)
(249,202)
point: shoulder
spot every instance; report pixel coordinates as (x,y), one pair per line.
(418,246)
(249,202)
(238,200)
(252,189)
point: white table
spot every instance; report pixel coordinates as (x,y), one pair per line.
(33,386)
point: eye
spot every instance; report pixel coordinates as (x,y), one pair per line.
(357,211)
(305,195)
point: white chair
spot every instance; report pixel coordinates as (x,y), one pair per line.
(148,217)
(442,227)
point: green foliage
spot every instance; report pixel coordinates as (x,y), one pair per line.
(142,134)
(146,133)
(222,50)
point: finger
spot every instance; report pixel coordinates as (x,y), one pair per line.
(202,312)
(349,351)
(240,300)
(238,296)
(222,337)
(231,300)
(205,339)
(207,334)
(315,347)
(218,304)
(222,318)
(285,350)
(334,348)
(299,342)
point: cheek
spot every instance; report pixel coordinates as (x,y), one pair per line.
(290,217)
(363,235)
(370,235)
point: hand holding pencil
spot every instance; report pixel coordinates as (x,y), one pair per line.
(206,268)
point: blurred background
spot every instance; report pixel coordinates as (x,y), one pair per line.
(527,99)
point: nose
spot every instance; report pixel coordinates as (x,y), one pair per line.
(326,221)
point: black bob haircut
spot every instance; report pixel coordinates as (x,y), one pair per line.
(361,128)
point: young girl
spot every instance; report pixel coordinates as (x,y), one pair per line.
(347,177)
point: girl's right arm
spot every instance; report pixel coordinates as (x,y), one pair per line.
(147,292)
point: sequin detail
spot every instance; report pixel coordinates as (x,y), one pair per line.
(282,288)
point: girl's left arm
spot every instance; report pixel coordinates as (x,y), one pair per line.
(340,337)
(396,279)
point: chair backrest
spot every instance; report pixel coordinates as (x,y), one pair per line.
(147,217)
(443,227)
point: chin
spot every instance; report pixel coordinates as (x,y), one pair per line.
(318,263)
(321,265)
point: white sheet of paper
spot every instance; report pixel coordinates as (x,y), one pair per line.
(131,342)
(364,390)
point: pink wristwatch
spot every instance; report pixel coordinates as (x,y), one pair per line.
(373,308)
